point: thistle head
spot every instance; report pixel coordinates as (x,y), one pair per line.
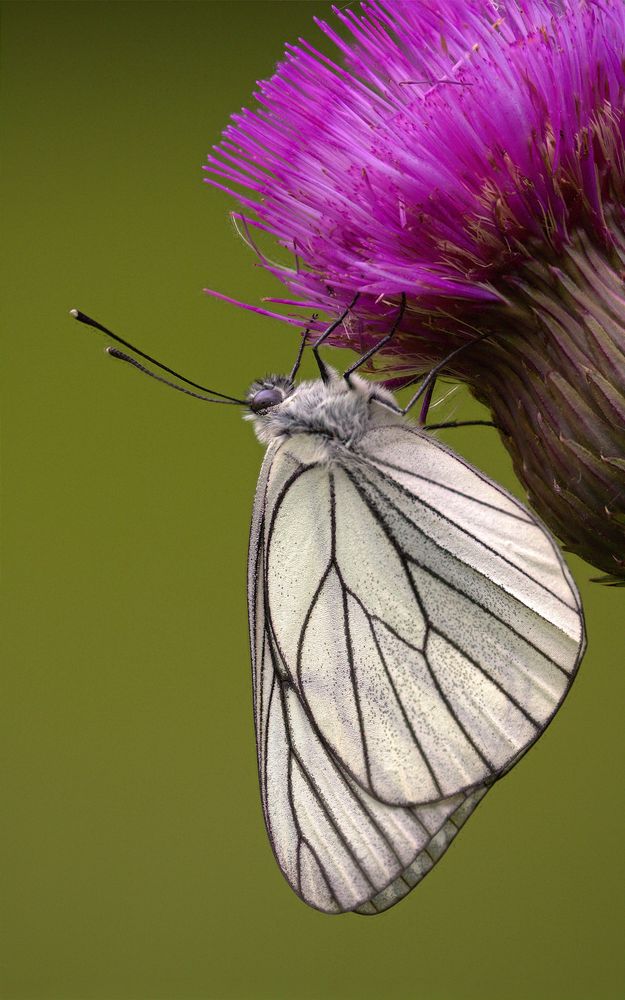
(470,155)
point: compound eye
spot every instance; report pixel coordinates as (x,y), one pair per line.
(264,399)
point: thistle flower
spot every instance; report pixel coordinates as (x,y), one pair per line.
(471,155)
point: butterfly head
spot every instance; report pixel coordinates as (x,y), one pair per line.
(268,392)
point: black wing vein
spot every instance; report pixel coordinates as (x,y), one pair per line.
(414,499)
(443,486)
(371,618)
(478,666)
(402,558)
(341,769)
(452,586)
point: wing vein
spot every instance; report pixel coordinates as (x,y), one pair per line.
(376,514)
(451,585)
(360,804)
(465,531)
(307,616)
(393,687)
(300,835)
(493,681)
(443,486)
(329,815)
(324,874)
(280,500)
(264,784)
(347,633)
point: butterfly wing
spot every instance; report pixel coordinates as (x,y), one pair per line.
(425,618)
(339,848)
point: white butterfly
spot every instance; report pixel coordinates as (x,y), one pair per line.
(413,631)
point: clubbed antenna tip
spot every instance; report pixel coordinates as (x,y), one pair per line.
(220,397)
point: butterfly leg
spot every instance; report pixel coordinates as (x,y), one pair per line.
(427,386)
(323,368)
(300,353)
(380,344)
(427,399)
(459,423)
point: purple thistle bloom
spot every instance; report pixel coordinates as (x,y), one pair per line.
(471,155)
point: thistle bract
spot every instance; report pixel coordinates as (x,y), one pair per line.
(471,155)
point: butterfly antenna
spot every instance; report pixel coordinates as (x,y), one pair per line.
(427,386)
(88,321)
(122,356)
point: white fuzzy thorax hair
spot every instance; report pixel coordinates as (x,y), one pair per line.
(337,410)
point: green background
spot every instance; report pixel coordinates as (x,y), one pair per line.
(135,859)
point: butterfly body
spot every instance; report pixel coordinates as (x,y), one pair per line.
(413,631)
(335,412)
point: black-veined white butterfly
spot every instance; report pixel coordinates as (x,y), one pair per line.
(413,631)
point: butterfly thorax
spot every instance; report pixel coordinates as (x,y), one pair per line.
(336,410)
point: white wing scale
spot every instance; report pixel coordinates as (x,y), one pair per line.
(412,663)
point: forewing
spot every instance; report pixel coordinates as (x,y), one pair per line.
(504,627)
(425,617)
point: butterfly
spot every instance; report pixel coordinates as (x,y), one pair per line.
(413,630)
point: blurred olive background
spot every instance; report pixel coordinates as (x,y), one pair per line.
(136,864)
